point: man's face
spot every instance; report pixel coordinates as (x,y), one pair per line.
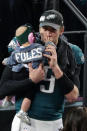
(49,34)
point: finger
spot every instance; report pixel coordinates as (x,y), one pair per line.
(40,66)
(30,66)
(50,46)
(47,38)
(52,51)
(48,56)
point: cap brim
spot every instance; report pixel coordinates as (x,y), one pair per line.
(55,26)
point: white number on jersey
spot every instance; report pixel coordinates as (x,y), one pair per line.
(51,82)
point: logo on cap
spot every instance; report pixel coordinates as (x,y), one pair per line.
(51,16)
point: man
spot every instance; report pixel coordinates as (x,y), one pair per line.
(47,107)
(60,79)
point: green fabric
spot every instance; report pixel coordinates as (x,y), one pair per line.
(79,56)
(23,38)
(18,104)
(48,106)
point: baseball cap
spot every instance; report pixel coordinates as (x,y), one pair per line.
(51,18)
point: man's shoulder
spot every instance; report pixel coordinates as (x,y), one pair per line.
(63,46)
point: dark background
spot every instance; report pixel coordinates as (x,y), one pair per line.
(14,13)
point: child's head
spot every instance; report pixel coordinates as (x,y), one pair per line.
(21,37)
(22,34)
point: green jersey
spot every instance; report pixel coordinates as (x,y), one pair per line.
(48,103)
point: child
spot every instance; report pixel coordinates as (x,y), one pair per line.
(21,41)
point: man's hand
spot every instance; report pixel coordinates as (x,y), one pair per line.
(36,75)
(52,59)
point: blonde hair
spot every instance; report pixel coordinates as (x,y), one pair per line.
(20,30)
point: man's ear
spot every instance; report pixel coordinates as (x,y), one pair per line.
(61,30)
